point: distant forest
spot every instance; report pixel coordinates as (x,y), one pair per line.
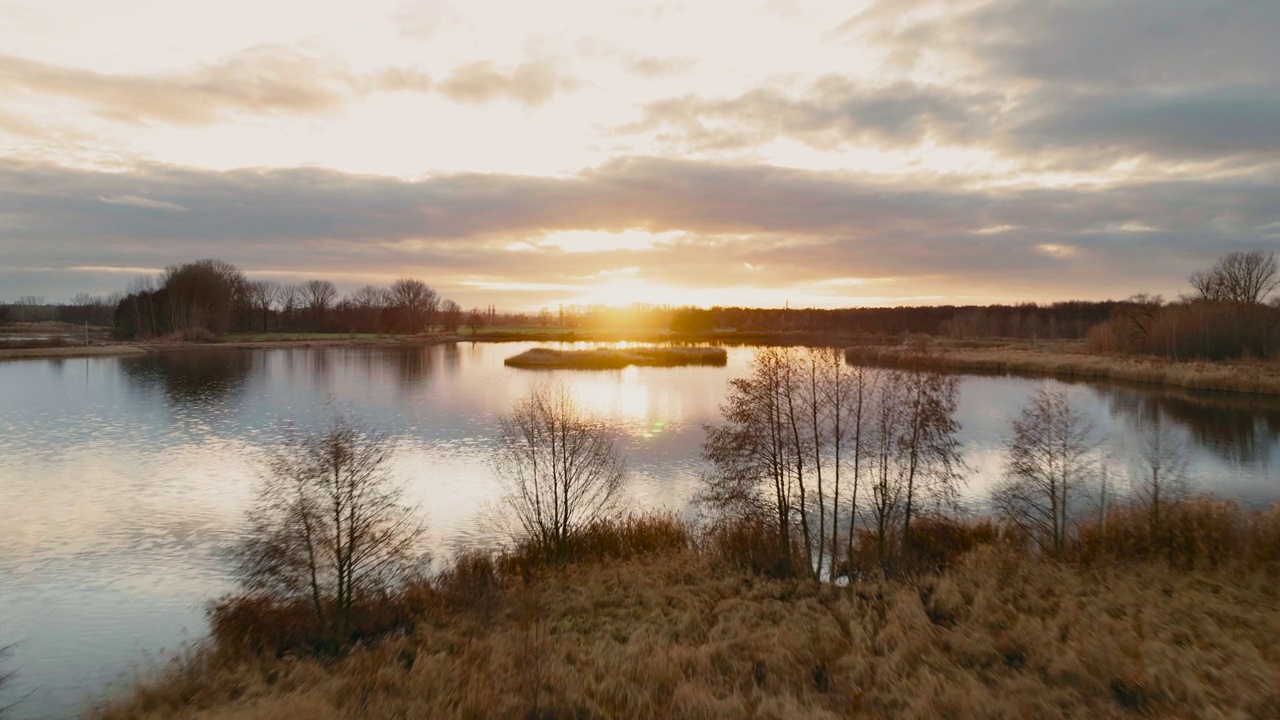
(1231,313)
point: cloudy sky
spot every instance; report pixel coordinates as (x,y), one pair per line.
(740,152)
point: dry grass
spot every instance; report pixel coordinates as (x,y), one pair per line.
(1237,376)
(656,628)
(612,359)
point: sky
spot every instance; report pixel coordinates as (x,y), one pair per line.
(525,155)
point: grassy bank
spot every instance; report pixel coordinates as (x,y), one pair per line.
(610,358)
(1073,362)
(651,621)
(69,351)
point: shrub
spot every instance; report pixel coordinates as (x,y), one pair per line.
(937,541)
(1196,531)
(601,540)
(751,543)
(259,624)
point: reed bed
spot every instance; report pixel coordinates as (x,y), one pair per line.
(1236,376)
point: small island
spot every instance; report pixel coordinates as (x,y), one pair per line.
(617,358)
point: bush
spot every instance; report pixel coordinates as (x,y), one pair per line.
(601,540)
(937,541)
(751,543)
(1190,532)
(259,624)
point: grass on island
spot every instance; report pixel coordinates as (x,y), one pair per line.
(615,358)
(1074,362)
(647,619)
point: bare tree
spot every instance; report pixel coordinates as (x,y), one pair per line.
(329,527)
(1049,467)
(887,419)
(1160,479)
(369,297)
(318,296)
(856,408)
(262,294)
(290,300)
(928,450)
(561,468)
(450,316)
(27,305)
(475,320)
(369,303)
(1242,277)
(416,302)
(752,473)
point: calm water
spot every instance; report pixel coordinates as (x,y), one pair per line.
(122,478)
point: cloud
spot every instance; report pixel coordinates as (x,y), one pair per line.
(262,80)
(1127,44)
(1089,43)
(726,225)
(1209,123)
(1088,84)
(833,110)
(135,201)
(652,66)
(531,83)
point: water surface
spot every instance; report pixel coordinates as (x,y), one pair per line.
(122,479)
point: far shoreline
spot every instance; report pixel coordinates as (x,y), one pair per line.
(1060,359)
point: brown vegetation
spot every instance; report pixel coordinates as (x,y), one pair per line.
(648,622)
(613,359)
(1073,362)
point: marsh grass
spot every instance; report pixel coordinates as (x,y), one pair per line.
(1257,377)
(612,359)
(648,619)
(35,343)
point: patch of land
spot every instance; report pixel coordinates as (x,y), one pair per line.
(69,351)
(615,358)
(678,635)
(1072,361)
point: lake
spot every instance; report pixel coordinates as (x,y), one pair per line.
(122,479)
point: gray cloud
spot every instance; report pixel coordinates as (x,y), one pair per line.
(1127,44)
(1090,43)
(741,224)
(1214,122)
(531,83)
(831,111)
(1053,85)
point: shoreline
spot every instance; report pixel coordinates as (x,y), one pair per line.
(1254,378)
(1055,360)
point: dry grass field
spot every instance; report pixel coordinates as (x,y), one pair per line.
(651,623)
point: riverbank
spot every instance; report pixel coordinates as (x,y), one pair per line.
(1072,361)
(678,633)
(70,351)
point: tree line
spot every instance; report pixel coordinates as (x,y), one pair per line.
(1231,313)
(213,296)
